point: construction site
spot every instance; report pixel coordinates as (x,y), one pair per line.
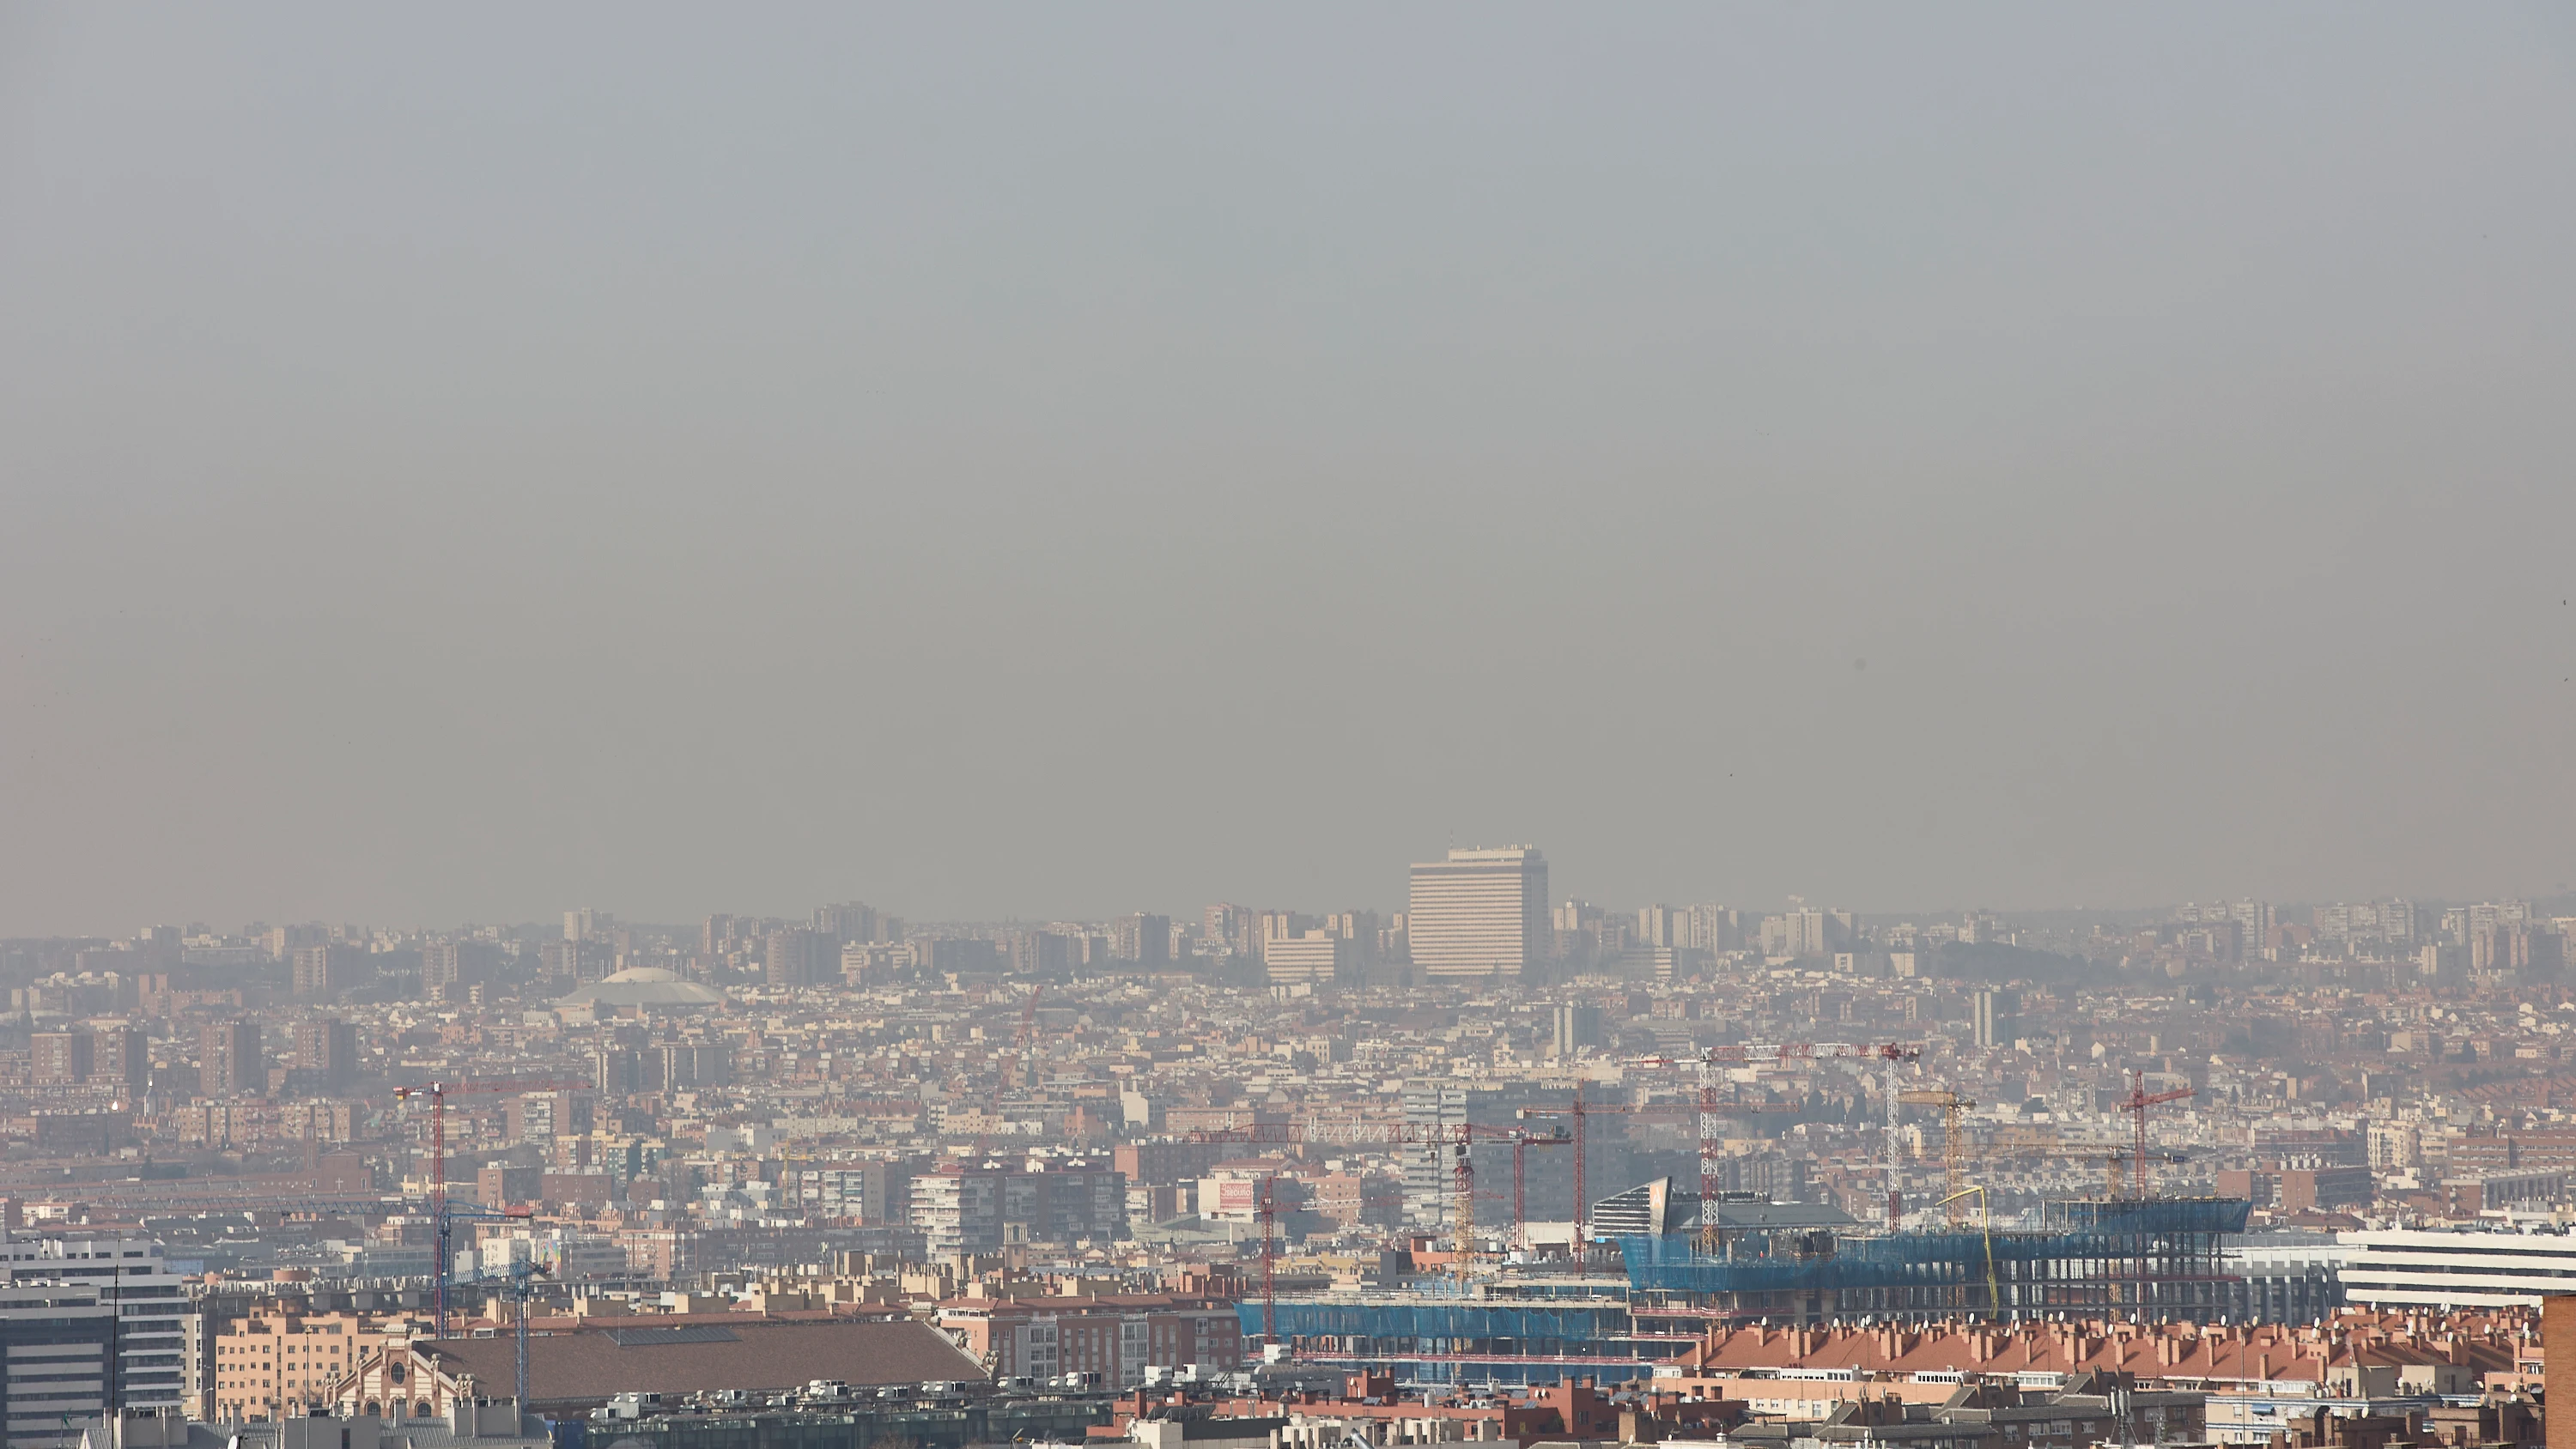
(1656,1268)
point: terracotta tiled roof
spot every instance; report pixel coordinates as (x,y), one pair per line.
(2268,1352)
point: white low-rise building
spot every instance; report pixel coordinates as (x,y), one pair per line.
(2438,1268)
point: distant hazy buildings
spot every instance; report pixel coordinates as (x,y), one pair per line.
(60,1058)
(1578,1025)
(1143,938)
(2234,930)
(941,955)
(841,924)
(281,941)
(449,969)
(325,970)
(228,1059)
(326,1050)
(1998,1018)
(794,959)
(1313,957)
(1654,943)
(1232,927)
(1040,953)
(1805,931)
(1480,913)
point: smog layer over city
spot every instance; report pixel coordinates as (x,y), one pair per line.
(1742,726)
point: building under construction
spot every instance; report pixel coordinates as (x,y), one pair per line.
(2142,1258)
(1539,1338)
(1695,1259)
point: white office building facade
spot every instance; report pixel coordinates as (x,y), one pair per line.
(84,1323)
(1480,913)
(2431,1268)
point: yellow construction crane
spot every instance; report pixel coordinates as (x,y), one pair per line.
(2026,1141)
(1986,1217)
(1954,1159)
(2113,1162)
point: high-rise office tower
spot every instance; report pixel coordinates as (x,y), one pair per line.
(589,925)
(1480,913)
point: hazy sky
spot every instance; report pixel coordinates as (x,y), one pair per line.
(459,463)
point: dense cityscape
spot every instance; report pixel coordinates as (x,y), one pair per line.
(1718,726)
(1493,1165)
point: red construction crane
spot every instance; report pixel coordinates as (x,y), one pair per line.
(2136,1105)
(1889,1053)
(1028,1048)
(1465,1191)
(1462,1186)
(1266,1208)
(1522,1142)
(1706,1109)
(438,1093)
(1412,1133)
(1582,1197)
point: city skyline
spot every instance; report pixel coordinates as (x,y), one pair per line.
(1252,931)
(1390,902)
(1300,727)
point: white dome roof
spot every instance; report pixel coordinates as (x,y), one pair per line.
(643,986)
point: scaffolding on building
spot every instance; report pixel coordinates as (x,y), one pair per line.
(1434,1339)
(2158,1257)
(2153,1258)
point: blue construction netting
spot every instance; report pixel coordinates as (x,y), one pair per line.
(2078,1232)
(1447,1321)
